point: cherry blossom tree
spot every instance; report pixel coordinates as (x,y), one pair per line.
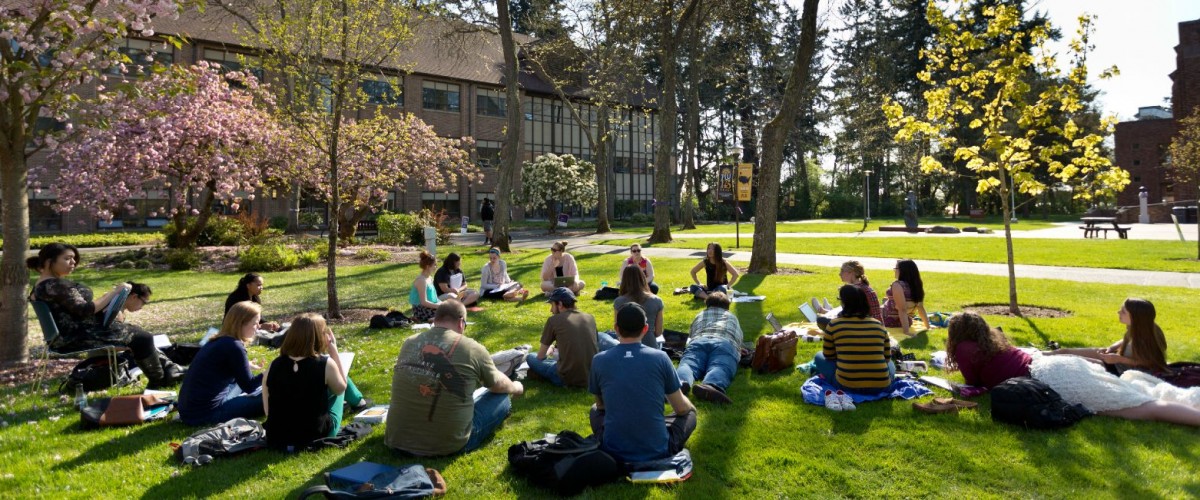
(185,130)
(551,179)
(48,50)
(378,154)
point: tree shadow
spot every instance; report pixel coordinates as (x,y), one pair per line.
(133,441)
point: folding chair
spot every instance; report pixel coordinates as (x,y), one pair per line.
(50,332)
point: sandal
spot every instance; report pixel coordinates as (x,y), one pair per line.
(961,404)
(934,407)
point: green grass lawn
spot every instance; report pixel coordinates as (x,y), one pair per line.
(767,444)
(1110,254)
(854,226)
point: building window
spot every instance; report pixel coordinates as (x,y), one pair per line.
(440,96)
(382,90)
(43,216)
(487,153)
(143,56)
(442,201)
(490,102)
(1137,162)
(232,61)
(1137,178)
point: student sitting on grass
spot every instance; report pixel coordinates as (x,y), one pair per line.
(634,290)
(857,350)
(853,273)
(637,260)
(423,297)
(982,353)
(719,275)
(630,382)
(250,287)
(573,334)
(451,271)
(220,384)
(494,275)
(905,297)
(1144,347)
(304,387)
(560,264)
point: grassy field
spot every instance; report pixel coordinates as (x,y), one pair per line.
(1110,254)
(767,444)
(854,226)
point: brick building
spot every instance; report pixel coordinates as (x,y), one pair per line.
(454,84)
(1141,145)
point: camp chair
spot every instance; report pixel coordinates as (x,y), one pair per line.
(50,332)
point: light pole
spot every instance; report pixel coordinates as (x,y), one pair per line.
(1013,191)
(867,211)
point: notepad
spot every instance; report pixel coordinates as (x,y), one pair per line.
(162,341)
(347,360)
(374,415)
(656,476)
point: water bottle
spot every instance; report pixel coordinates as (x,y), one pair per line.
(80,398)
(603,284)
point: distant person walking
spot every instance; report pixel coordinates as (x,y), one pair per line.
(487,213)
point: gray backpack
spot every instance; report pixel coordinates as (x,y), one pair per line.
(230,438)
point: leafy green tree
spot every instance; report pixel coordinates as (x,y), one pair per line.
(994,94)
(1185,156)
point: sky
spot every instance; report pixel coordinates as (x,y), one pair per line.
(1137,36)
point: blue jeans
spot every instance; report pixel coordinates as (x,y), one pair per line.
(490,411)
(696,289)
(828,369)
(235,405)
(716,360)
(606,340)
(545,368)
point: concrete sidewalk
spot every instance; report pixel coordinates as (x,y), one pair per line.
(1061,230)
(583,244)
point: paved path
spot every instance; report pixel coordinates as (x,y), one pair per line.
(584,244)
(1061,230)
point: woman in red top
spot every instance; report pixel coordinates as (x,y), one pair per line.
(982,353)
(637,260)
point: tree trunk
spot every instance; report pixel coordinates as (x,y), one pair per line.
(805,195)
(348,222)
(600,153)
(774,138)
(14,330)
(669,35)
(509,162)
(1006,209)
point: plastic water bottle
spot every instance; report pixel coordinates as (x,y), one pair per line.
(603,284)
(80,398)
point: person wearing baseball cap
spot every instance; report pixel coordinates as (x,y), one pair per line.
(573,334)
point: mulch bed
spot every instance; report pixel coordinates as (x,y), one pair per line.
(15,374)
(1026,311)
(780,270)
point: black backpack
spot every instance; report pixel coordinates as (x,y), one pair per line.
(230,438)
(1028,402)
(565,463)
(393,319)
(98,373)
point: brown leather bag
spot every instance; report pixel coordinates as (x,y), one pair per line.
(774,352)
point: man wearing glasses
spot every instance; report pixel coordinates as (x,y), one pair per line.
(447,395)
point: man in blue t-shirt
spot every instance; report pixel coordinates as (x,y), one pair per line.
(630,382)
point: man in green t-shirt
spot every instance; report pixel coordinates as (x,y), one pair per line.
(437,405)
(573,333)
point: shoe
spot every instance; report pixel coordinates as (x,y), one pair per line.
(817,305)
(363,404)
(960,404)
(934,407)
(844,399)
(685,388)
(833,402)
(827,306)
(681,291)
(711,394)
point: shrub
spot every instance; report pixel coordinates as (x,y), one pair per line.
(409,229)
(182,259)
(219,231)
(143,264)
(125,264)
(274,257)
(114,239)
(279,222)
(373,254)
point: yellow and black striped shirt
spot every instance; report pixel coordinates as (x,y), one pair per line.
(860,347)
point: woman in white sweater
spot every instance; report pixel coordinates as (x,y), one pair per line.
(495,283)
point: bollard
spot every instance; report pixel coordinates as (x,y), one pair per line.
(431,240)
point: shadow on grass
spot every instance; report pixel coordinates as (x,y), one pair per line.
(133,440)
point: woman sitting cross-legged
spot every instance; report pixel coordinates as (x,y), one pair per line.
(905,297)
(304,388)
(1144,347)
(220,384)
(982,353)
(80,319)
(857,351)
(423,297)
(637,260)
(495,276)
(560,264)
(635,290)
(719,275)
(451,283)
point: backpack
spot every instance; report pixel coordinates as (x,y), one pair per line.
(565,463)
(1033,404)
(774,352)
(123,410)
(230,438)
(511,362)
(372,480)
(181,354)
(96,374)
(393,319)
(607,293)
(352,432)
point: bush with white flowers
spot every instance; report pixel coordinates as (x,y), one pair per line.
(550,179)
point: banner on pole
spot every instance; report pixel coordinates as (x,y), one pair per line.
(725,183)
(745,172)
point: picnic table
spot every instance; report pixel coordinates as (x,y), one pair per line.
(1093,226)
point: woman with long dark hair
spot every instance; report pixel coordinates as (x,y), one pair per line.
(635,290)
(451,283)
(250,288)
(80,319)
(982,353)
(1143,347)
(719,275)
(905,297)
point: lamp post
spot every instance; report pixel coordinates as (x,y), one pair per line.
(867,211)
(737,205)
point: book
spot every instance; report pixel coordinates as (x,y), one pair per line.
(374,415)
(656,476)
(163,395)
(938,382)
(162,341)
(359,473)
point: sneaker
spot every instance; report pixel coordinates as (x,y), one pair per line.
(827,306)
(363,404)
(817,305)
(711,394)
(685,388)
(846,402)
(833,402)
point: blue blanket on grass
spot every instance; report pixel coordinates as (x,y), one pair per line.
(815,387)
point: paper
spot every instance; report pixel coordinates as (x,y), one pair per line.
(374,415)
(456,280)
(347,360)
(163,395)
(507,286)
(162,341)
(209,335)
(750,298)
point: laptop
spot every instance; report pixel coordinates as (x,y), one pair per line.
(774,322)
(564,281)
(809,313)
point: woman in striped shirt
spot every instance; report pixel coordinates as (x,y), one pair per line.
(857,351)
